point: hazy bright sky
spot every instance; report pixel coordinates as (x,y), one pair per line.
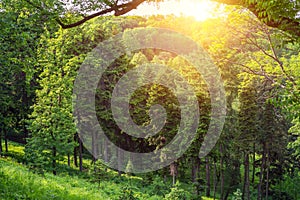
(200,9)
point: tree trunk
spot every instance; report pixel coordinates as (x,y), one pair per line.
(261,175)
(207,177)
(120,159)
(267,173)
(193,172)
(174,179)
(97,149)
(80,154)
(246,189)
(174,171)
(69,160)
(195,169)
(94,150)
(221,173)
(105,151)
(75,150)
(215,179)
(253,164)
(24,128)
(75,157)
(5,141)
(0,143)
(54,160)
(196,175)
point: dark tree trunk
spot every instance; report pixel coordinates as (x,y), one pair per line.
(246,188)
(5,141)
(267,173)
(195,173)
(253,164)
(215,179)
(195,169)
(261,174)
(75,151)
(221,173)
(75,156)
(207,177)
(105,151)
(0,143)
(235,179)
(54,160)
(97,149)
(25,129)
(120,159)
(94,149)
(80,154)
(69,160)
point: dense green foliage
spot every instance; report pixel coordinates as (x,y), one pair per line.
(256,157)
(17,182)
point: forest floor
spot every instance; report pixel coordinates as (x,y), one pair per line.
(17,181)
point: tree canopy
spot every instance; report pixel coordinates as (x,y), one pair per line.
(44,44)
(281,14)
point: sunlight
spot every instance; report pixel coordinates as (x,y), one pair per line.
(199,9)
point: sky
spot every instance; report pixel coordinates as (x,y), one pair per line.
(200,9)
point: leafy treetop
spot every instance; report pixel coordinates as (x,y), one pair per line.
(281,14)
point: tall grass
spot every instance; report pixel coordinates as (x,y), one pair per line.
(18,182)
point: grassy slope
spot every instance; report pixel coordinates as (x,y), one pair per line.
(18,182)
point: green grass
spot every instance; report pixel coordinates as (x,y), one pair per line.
(18,182)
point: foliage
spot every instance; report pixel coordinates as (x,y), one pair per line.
(128,193)
(20,34)
(177,193)
(259,66)
(18,183)
(237,195)
(287,188)
(281,14)
(158,187)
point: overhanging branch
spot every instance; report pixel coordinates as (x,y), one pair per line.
(120,9)
(287,24)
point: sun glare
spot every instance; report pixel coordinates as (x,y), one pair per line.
(199,9)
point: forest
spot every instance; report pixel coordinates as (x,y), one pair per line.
(127,125)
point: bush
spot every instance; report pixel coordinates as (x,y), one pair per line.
(177,193)
(158,187)
(237,195)
(127,194)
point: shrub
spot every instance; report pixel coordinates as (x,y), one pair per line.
(177,193)
(237,195)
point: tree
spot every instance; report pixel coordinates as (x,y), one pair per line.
(52,128)
(20,32)
(278,14)
(281,14)
(59,11)
(51,125)
(248,126)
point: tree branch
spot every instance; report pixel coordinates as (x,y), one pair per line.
(120,9)
(289,25)
(279,62)
(261,73)
(65,26)
(128,7)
